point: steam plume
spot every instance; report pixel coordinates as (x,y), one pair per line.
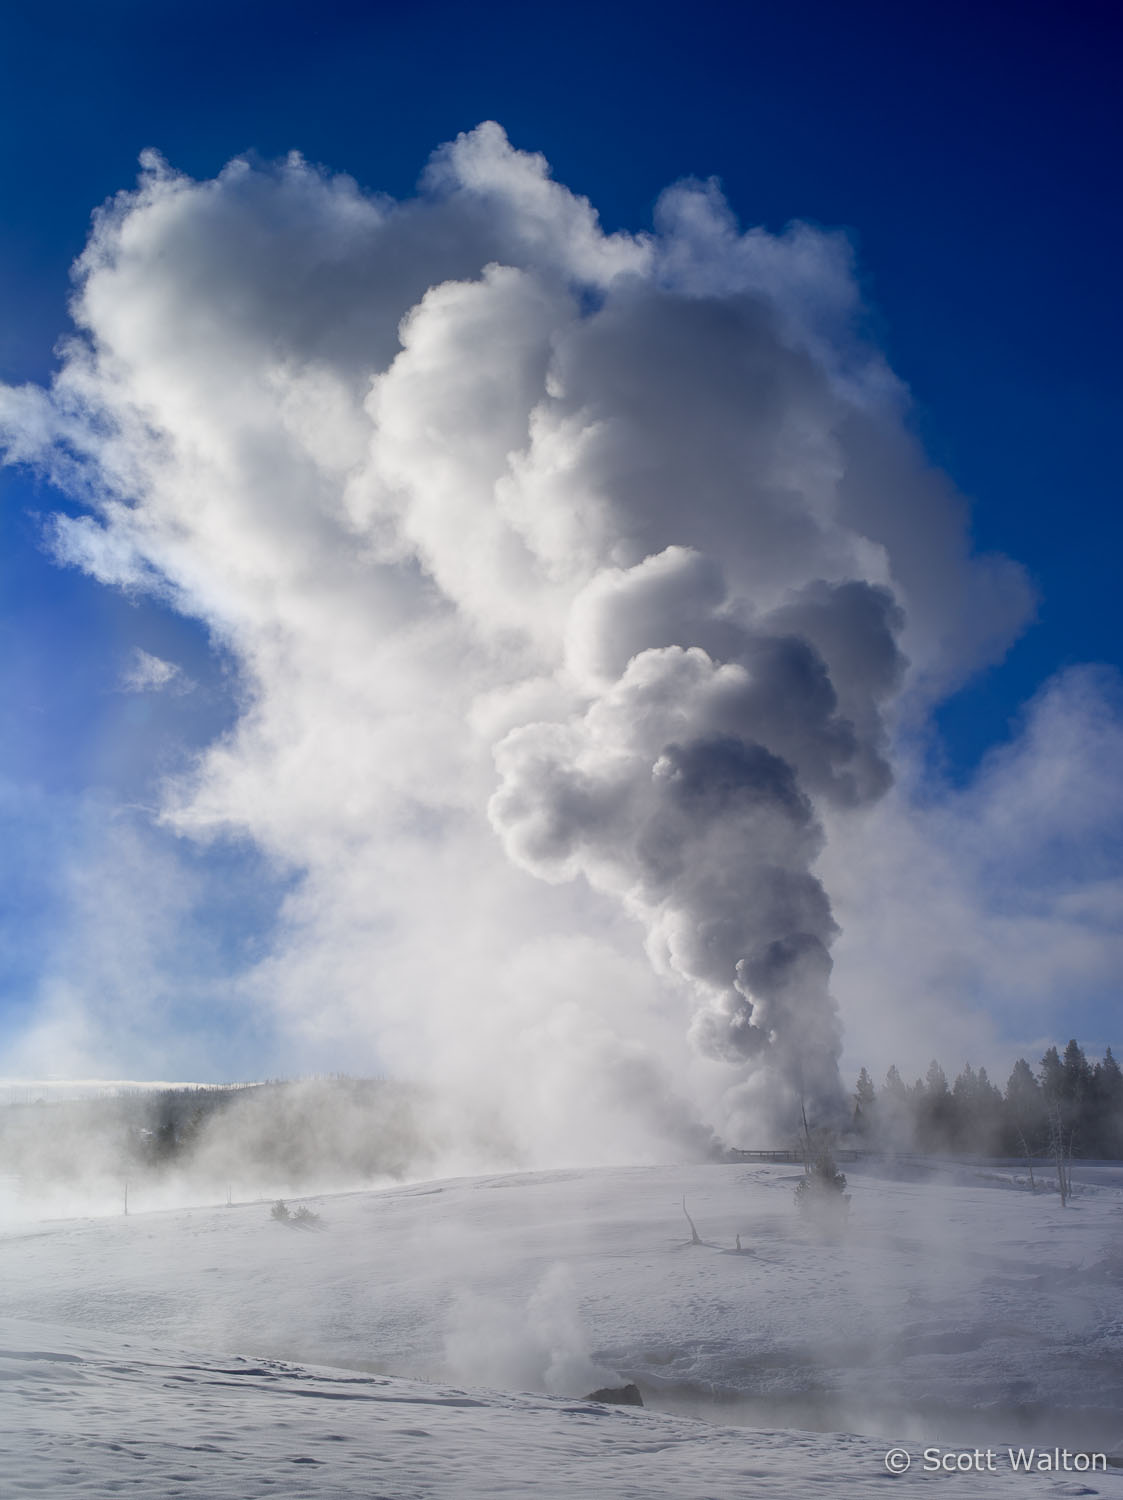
(686,789)
(568,575)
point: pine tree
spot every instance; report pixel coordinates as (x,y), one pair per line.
(1051,1076)
(1113,1075)
(1075,1072)
(1079,1094)
(864,1104)
(976,1112)
(936,1110)
(1024,1112)
(896,1119)
(895,1084)
(1107,1092)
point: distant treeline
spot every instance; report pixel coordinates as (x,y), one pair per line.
(361,1127)
(1068,1104)
(268,1136)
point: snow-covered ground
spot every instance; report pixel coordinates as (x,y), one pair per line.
(953,1312)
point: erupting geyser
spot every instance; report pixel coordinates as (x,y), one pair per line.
(686,788)
(541,553)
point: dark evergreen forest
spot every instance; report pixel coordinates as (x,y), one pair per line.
(1069,1104)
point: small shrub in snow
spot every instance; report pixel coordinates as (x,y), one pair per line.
(821,1191)
(301,1217)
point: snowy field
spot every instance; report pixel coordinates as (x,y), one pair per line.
(954,1312)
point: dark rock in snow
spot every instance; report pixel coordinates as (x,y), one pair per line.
(618,1395)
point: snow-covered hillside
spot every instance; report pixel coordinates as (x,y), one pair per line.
(950,1312)
(96,1414)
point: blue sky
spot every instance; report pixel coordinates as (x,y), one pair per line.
(968,151)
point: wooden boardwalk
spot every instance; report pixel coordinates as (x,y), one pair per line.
(795,1156)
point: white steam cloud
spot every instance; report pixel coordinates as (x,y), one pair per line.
(574,581)
(542,1346)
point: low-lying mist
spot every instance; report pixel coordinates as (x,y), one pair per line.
(160,1149)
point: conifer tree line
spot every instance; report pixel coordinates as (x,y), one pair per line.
(1069,1104)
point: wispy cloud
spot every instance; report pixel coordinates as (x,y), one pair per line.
(146,673)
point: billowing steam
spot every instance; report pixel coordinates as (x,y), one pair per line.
(686,789)
(569,575)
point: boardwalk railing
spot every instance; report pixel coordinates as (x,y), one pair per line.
(797,1156)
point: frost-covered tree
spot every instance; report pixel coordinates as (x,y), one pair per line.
(821,1191)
